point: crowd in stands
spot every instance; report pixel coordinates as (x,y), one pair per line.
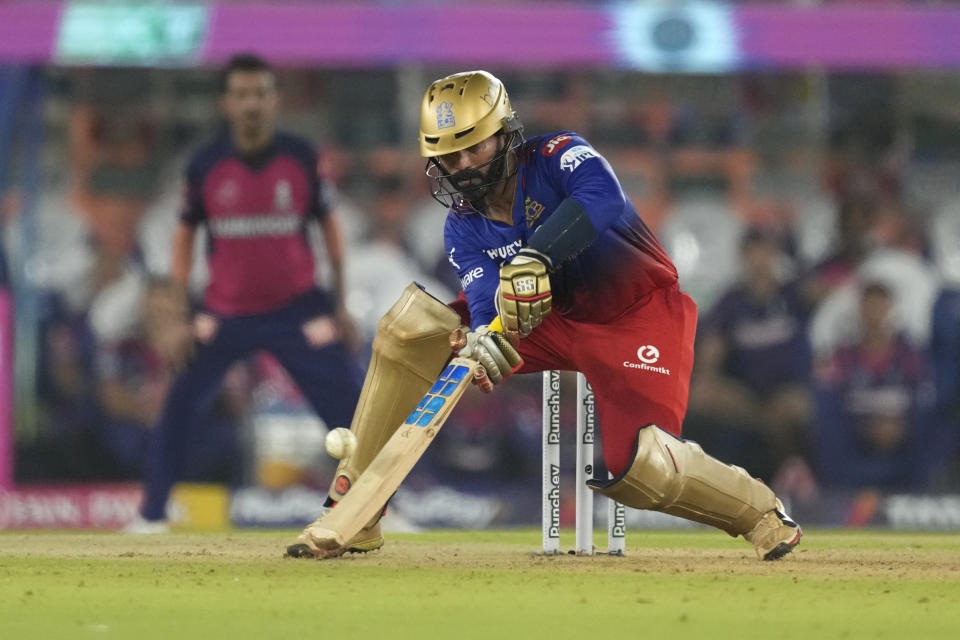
(829,336)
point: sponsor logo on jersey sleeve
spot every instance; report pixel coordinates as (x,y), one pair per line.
(556,143)
(574,156)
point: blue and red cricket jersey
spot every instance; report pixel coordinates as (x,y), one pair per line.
(624,264)
(618,314)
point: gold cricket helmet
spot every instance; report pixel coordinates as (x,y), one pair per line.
(460,110)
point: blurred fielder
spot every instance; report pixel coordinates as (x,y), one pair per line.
(254,189)
(541,234)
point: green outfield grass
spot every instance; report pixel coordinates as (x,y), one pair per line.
(456,584)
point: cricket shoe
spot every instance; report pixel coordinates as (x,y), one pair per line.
(317,541)
(775,535)
(142,526)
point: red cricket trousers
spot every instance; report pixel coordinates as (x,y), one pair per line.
(638,365)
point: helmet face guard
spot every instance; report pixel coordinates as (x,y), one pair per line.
(466,191)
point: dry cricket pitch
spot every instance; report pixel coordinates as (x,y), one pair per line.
(463,584)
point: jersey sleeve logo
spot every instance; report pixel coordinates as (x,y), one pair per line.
(574,156)
(445,118)
(556,143)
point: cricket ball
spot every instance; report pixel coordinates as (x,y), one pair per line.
(341,443)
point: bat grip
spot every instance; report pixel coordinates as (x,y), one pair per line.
(497,325)
(458,340)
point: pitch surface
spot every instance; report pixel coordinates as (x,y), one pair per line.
(457,584)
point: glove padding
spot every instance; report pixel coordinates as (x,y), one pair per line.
(491,349)
(524,298)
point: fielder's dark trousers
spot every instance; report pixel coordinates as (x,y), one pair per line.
(328,377)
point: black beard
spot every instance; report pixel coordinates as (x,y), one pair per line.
(475,185)
(472,184)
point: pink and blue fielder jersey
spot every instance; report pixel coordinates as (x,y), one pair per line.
(623,265)
(255,210)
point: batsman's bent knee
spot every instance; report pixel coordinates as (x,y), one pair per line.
(675,476)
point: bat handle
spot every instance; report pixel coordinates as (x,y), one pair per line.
(458,339)
(497,325)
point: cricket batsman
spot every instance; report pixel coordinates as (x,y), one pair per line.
(542,235)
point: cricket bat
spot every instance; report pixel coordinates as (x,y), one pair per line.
(400,453)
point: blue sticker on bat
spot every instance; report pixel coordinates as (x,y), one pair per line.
(441,390)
